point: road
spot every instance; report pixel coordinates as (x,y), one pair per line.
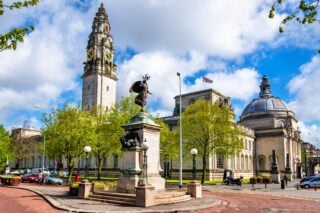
(241,202)
(23,201)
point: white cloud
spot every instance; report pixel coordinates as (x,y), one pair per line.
(170,36)
(216,27)
(310,133)
(305,88)
(162,67)
(239,84)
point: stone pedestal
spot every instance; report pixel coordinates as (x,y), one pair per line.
(146,129)
(288,173)
(275,178)
(85,188)
(194,189)
(145,196)
(130,170)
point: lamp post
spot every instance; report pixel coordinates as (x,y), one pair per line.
(180,117)
(194,152)
(44,144)
(87,150)
(145,146)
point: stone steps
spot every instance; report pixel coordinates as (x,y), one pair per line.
(166,197)
(116,198)
(171,197)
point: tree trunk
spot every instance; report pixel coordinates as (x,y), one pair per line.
(99,168)
(204,166)
(70,170)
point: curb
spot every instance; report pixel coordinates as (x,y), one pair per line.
(59,206)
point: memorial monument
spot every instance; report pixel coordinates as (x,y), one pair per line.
(141,129)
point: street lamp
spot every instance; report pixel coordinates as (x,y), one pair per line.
(145,146)
(180,117)
(194,152)
(87,150)
(44,145)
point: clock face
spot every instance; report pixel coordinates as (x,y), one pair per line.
(108,55)
(90,54)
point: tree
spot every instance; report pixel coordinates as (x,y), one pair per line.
(10,39)
(169,143)
(67,131)
(304,12)
(210,129)
(5,145)
(109,129)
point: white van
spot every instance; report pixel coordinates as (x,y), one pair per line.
(36,171)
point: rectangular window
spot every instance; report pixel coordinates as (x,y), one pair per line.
(220,161)
(115,161)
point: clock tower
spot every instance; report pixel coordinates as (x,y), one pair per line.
(99,78)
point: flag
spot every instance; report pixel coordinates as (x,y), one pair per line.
(206,80)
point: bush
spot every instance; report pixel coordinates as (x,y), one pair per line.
(105,186)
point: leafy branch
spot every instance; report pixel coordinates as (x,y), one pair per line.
(13,37)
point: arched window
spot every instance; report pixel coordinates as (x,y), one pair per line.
(246,164)
(242,161)
(262,162)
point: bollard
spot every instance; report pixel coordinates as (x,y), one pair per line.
(282,184)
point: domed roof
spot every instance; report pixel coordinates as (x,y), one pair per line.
(266,102)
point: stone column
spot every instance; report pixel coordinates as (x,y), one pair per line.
(85,188)
(130,170)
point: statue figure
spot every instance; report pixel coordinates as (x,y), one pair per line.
(141,87)
(131,139)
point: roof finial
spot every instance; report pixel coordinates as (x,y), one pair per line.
(265,89)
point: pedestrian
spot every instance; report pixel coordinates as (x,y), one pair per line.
(40,176)
(285,179)
(43,177)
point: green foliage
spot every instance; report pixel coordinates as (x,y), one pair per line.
(109,129)
(98,185)
(10,39)
(305,12)
(169,143)
(210,129)
(67,131)
(5,145)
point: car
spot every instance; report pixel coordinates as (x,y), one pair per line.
(53,179)
(314,182)
(306,178)
(30,178)
(36,171)
(16,172)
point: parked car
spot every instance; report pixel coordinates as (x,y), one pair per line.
(314,182)
(36,171)
(30,178)
(53,179)
(16,172)
(306,178)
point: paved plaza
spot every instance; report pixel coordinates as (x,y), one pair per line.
(217,198)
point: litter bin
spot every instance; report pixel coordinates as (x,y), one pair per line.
(282,184)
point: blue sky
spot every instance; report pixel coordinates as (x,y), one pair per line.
(231,42)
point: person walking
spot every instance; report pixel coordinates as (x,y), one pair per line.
(40,176)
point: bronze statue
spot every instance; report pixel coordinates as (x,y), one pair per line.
(141,87)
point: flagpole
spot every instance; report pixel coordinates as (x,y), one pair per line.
(180,116)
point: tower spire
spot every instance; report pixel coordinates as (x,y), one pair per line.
(100,70)
(265,88)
